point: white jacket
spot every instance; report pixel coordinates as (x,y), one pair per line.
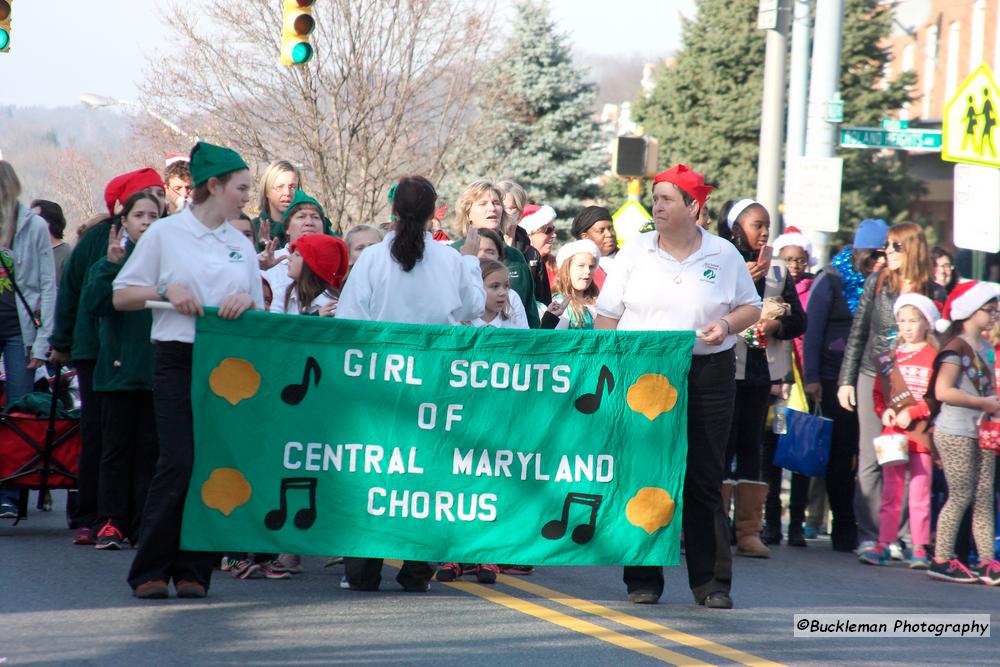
(443,288)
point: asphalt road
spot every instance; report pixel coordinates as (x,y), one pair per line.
(64,604)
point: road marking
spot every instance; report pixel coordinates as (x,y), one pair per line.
(569,622)
(636,623)
(576,624)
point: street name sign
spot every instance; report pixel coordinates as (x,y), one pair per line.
(876,137)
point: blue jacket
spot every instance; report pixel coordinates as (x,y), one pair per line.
(829,327)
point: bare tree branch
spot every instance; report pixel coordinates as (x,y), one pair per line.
(388,91)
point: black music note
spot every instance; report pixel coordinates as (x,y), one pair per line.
(305,517)
(589,403)
(556,528)
(294,393)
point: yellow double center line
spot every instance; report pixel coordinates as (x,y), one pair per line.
(604,634)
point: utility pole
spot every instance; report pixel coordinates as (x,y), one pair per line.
(824,86)
(772,17)
(798,83)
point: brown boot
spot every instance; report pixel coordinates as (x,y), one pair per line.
(750,498)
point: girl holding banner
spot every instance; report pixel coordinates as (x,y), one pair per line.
(409,277)
(192,259)
(675,278)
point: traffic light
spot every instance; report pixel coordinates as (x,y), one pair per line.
(296,27)
(5,25)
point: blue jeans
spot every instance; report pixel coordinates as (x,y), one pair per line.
(20,382)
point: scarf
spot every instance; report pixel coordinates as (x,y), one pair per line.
(852,281)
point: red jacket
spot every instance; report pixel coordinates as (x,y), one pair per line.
(916,369)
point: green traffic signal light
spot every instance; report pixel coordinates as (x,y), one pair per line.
(301,53)
(5,25)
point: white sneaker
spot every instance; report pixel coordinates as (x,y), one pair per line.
(896,552)
(864,546)
(344,583)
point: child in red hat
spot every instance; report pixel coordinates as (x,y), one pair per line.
(969,403)
(317,267)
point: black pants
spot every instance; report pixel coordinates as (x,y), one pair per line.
(89,469)
(366,574)
(159,555)
(711,390)
(749,417)
(128,457)
(842,467)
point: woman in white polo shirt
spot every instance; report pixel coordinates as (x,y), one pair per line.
(679,277)
(191,259)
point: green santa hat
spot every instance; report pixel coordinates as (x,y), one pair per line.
(299,199)
(208,160)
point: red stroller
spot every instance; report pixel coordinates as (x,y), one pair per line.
(39,453)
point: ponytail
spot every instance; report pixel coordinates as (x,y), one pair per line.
(412,205)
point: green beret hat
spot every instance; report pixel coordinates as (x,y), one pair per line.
(301,198)
(208,160)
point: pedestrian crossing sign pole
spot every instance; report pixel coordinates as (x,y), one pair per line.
(969,122)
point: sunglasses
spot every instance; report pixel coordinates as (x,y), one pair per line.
(896,246)
(551,229)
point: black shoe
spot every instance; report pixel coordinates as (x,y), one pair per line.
(796,539)
(643,597)
(771,536)
(717,600)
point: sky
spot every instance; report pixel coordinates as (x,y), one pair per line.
(61,49)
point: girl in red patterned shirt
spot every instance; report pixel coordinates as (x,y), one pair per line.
(904,374)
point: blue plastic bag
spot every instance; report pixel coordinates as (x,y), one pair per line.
(805,446)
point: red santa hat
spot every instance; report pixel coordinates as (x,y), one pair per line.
(120,188)
(535,217)
(177,157)
(963,301)
(793,236)
(325,255)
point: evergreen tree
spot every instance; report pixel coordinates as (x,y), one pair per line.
(705,109)
(535,125)
(875,184)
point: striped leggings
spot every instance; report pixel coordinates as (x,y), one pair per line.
(969,472)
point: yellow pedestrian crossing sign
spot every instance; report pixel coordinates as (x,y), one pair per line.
(969,123)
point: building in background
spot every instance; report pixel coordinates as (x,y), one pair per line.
(942,41)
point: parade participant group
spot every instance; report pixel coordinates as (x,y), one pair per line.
(887,341)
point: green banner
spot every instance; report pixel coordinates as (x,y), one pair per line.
(335,437)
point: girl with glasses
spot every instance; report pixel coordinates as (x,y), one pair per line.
(795,251)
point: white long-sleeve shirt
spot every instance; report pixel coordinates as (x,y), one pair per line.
(443,288)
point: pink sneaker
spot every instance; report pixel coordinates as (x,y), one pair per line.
(84,536)
(290,563)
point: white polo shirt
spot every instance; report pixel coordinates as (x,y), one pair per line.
(647,289)
(212,263)
(442,288)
